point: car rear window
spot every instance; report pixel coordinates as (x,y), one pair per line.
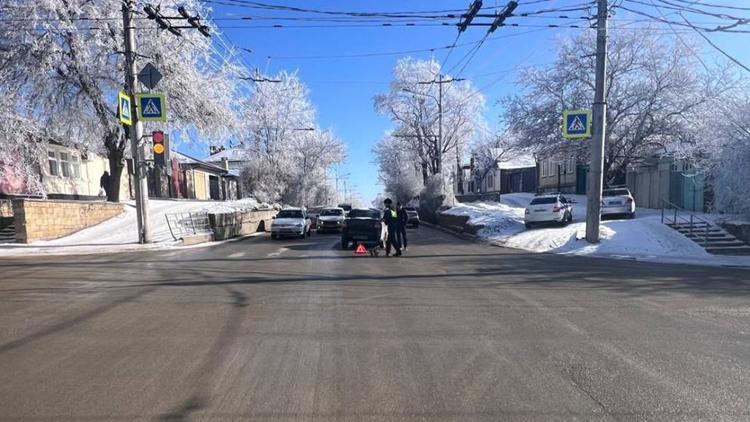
(364,214)
(541,201)
(332,212)
(616,192)
(289,214)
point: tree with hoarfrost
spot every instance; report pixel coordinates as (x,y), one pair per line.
(63,61)
(413,107)
(398,170)
(288,155)
(655,91)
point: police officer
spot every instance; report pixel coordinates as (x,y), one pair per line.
(403,220)
(390,218)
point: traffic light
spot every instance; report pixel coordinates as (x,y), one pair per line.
(159,147)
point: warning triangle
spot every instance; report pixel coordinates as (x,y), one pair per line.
(151,109)
(361,250)
(576,125)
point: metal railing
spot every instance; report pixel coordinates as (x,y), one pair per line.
(187,223)
(696,225)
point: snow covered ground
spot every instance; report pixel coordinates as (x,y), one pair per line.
(120,233)
(643,238)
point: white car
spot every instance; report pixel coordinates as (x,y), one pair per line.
(553,208)
(331,220)
(291,222)
(618,201)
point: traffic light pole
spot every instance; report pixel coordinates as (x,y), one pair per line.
(596,169)
(136,129)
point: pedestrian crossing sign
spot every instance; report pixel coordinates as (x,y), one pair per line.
(124,108)
(576,124)
(152,107)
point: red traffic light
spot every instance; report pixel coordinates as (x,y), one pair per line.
(157,136)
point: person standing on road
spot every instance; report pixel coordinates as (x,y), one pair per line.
(390,218)
(104,183)
(403,219)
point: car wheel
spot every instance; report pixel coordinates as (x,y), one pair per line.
(274,236)
(528,225)
(344,243)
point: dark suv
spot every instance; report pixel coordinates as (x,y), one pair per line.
(363,226)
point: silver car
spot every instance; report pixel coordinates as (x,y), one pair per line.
(548,209)
(331,220)
(618,201)
(290,222)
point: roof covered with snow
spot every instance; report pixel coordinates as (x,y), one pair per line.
(517,162)
(185,159)
(231,154)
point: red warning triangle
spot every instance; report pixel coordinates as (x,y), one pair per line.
(361,250)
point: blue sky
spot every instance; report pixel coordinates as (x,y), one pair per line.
(342,88)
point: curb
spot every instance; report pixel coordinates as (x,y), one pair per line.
(462,235)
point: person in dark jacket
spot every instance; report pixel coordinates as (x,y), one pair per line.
(403,219)
(104,183)
(390,218)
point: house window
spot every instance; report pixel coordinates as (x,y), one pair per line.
(572,165)
(544,168)
(65,164)
(52,160)
(76,164)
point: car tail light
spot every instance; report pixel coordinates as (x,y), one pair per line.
(527,211)
(556,209)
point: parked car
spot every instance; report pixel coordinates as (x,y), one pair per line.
(412,217)
(346,207)
(313,213)
(548,209)
(291,222)
(618,201)
(331,219)
(364,226)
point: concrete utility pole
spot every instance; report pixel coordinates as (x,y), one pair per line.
(136,129)
(596,169)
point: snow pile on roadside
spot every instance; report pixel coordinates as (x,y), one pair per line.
(120,232)
(644,238)
(499,220)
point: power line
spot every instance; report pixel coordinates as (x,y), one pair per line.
(716,47)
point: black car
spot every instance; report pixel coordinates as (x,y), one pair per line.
(364,226)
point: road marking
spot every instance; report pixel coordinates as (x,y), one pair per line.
(237,255)
(277,253)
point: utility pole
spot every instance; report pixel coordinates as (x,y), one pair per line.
(594,197)
(136,129)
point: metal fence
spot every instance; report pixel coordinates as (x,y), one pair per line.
(187,223)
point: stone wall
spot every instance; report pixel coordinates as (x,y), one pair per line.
(240,223)
(37,219)
(739,230)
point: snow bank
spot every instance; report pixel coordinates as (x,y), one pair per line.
(643,238)
(120,232)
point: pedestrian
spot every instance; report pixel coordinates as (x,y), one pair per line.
(403,219)
(390,218)
(104,183)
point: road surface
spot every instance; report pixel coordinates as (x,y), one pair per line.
(299,330)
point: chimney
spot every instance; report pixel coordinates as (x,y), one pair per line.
(225,162)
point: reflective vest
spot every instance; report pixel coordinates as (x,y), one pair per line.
(393,214)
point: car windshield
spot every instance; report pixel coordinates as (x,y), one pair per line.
(289,214)
(544,200)
(364,214)
(616,192)
(332,212)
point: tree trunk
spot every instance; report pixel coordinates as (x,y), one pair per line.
(115,154)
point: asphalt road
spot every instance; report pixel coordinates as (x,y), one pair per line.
(299,330)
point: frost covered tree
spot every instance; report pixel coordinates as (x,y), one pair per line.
(287,153)
(488,150)
(398,170)
(413,107)
(655,90)
(64,61)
